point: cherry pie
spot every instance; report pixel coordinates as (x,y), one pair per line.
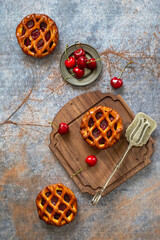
(37,35)
(56,205)
(101,127)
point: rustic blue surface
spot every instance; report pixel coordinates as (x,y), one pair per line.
(31,93)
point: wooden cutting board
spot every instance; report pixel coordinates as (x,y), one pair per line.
(71,150)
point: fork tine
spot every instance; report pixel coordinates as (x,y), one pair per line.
(135,129)
(96,198)
(145,129)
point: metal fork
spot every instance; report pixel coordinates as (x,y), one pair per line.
(135,139)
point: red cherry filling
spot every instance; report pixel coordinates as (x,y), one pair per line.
(109,133)
(35,34)
(27,42)
(62,206)
(30,24)
(43,202)
(51,44)
(104,124)
(23,31)
(57,215)
(98,115)
(37,19)
(102,141)
(59,192)
(96,132)
(33,50)
(91,122)
(111,117)
(49,209)
(54,200)
(66,198)
(40,44)
(68,213)
(90,139)
(115,126)
(48,35)
(47,194)
(43,26)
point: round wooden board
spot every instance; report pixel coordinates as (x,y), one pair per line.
(71,150)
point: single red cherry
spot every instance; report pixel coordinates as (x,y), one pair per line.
(70,62)
(117,82)
(79,52)
(63,128)
(78,72)
(81,62)
(91,64)
(91,161)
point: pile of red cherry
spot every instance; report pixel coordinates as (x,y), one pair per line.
(79,62)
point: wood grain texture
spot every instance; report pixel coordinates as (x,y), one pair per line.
(71,150)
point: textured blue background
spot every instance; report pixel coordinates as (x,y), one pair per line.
(121,31)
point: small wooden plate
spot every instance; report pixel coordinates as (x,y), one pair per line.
(89,76)
(71,150)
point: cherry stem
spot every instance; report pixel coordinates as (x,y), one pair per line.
(79,171)
(95,60)
(53,123)
(66,51)
(76,43)
(69,76)
(124,69)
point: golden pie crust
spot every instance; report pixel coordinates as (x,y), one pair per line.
(56,205)
(101,127)
(37,35)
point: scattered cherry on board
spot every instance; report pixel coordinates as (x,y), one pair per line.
(63,128)
(91,161)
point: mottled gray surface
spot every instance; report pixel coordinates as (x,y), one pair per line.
(121,31)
